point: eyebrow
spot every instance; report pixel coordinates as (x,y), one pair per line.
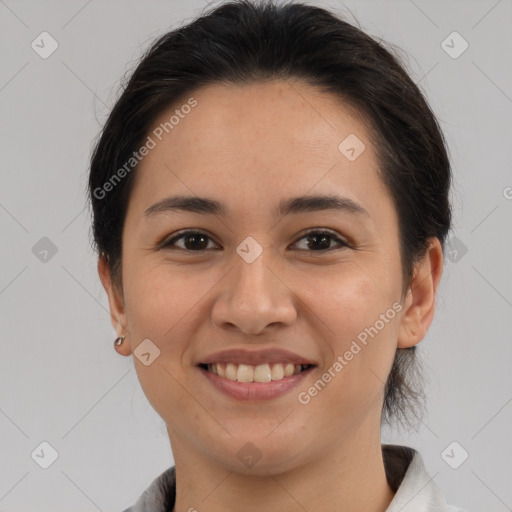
(294,205)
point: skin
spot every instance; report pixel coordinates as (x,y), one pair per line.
(250,147)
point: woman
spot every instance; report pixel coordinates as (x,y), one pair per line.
(270,201)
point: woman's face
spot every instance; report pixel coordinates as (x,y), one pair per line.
(253,280)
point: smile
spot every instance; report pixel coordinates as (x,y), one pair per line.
(266,372)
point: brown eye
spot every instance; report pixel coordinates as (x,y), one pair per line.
(317,241)
(191,241)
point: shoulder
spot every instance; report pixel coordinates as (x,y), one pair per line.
(159,496)
(415,489)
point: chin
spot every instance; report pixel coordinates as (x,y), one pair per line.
(260,456)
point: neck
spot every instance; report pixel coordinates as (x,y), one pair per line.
(350,477)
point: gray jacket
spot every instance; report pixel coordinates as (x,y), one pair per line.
(415,489)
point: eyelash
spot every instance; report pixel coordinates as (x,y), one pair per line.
(333,236)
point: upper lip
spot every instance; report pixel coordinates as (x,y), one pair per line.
(255,357)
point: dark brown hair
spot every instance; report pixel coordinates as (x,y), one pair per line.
(246,41)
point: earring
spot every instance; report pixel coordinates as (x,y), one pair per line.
(119,341)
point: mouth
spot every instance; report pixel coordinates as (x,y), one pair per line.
(266,372)
(255,375)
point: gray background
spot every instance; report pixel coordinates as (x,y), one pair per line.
(61,380)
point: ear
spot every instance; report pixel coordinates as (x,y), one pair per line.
(419,304)
(116,303)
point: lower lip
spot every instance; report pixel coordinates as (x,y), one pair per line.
(250,391)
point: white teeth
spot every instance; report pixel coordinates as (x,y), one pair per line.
(249,373)
(245,373)
(231,370)
(277,371)
(289,369)
(262,373)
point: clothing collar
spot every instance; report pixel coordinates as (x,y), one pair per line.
(415,490)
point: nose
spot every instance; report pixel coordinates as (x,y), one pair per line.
(253,298)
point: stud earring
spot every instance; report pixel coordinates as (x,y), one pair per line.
(119,341)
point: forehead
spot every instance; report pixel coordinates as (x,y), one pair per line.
(278,138)
(269,114)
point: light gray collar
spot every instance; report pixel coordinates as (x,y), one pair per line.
(415,490)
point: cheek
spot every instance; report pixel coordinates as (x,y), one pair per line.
(358,323)
(158,300)
(346,300)
(160,305)
(361,346)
